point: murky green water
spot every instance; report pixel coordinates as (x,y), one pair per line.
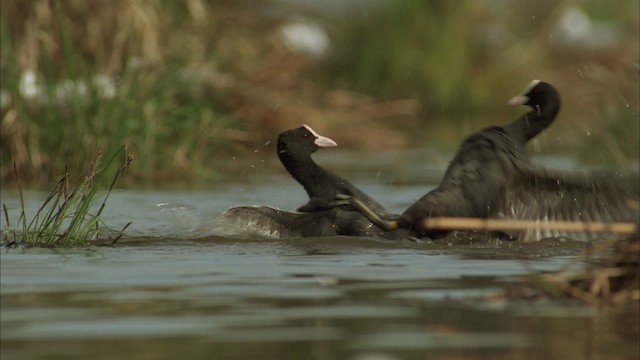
(176,290)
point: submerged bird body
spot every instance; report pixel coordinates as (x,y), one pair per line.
(270,222)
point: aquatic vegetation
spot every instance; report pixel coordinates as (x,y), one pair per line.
(68,217)
(110,74)
(614,281)
(611,277)
(458,59)
(189,85)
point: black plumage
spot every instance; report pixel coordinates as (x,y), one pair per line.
(486,164)
(325,214)
(267,221)
(491,177)
(294,149)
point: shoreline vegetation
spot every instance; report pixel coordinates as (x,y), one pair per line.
(608,279)
(68,216)
(191,87)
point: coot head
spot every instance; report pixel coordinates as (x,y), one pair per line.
(536,95)
(544,101)
(302,141)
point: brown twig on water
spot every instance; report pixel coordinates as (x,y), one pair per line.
(523,225)
(615,281)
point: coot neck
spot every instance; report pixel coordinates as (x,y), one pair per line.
(300,167)
(532,123)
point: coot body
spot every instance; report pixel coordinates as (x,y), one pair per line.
(487,164)
(267,221)
(491,177)
(294,149)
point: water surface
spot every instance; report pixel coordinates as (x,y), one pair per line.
(175,289)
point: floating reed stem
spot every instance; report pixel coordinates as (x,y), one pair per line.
(523,225)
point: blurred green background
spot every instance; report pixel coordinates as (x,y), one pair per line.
(192,86)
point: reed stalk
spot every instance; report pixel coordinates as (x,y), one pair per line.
(68,217)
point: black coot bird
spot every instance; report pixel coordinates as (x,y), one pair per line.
(325,189)
(491,176)
(326,213)
(487,162)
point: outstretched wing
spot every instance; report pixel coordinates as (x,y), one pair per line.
(545,194)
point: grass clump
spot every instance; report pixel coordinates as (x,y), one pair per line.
(614,280)
(611,279)
(137,73)
(189,85)
(462,60)
(66,217)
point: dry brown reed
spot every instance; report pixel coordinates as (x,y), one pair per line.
(612,281)
(479,224)
(199,82)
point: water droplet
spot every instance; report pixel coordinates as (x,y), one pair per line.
(256,150)
(588,133)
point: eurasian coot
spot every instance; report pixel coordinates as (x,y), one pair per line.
(294,149)
(487,163)
(326,214)
(491,176)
